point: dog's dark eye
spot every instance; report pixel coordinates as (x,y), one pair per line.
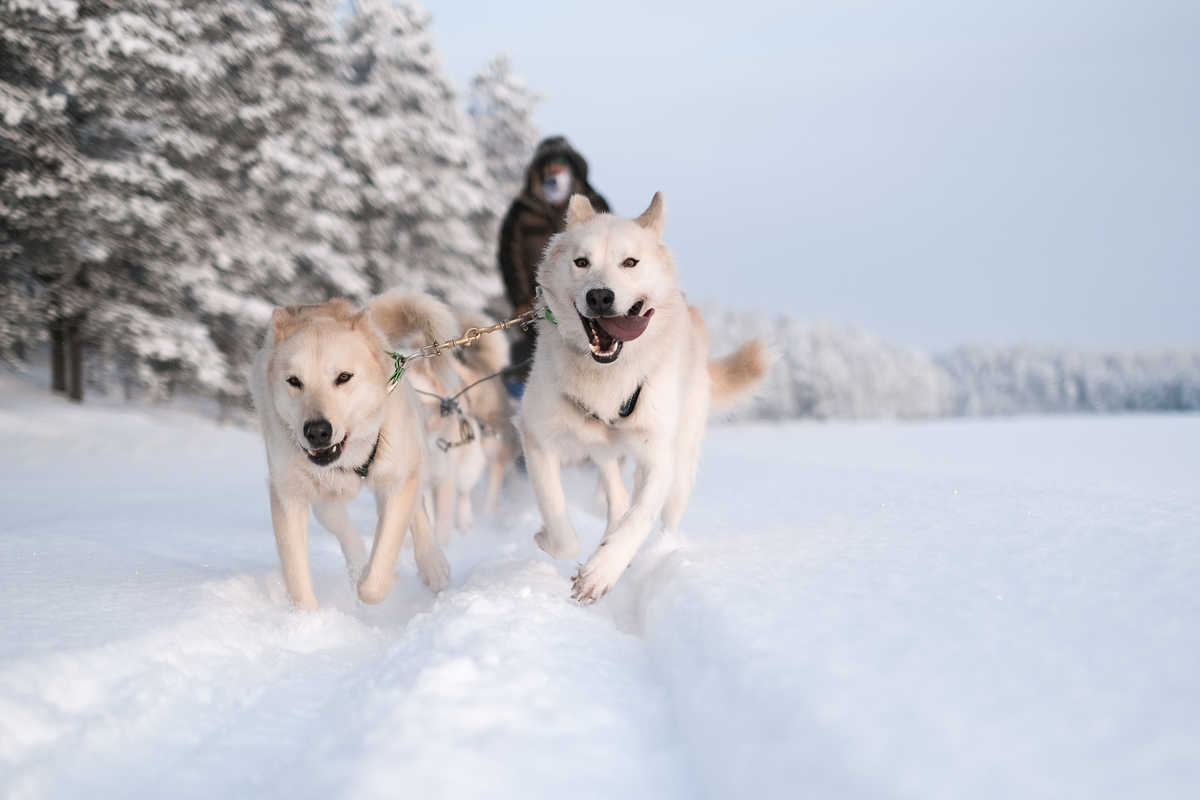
(294,381)
(342,378)
(581,262)
(629,263)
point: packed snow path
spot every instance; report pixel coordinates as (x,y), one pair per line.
(955,609)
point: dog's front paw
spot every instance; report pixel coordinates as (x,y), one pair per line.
(597,576)
(561,547)
(374,589)
(433,568)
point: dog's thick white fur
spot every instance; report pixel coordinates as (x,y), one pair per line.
(319,384)
(625,338)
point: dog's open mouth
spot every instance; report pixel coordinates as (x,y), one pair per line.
(607,335)
(327,455)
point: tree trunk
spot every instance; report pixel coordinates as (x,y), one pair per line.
(75,358)
(58,358)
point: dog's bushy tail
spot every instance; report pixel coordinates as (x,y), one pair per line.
(411,319)
(489,354)
(407,318)
(736,375)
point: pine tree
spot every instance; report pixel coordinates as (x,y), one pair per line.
(175,170)
(294,239)
(429,206)
(143,205)
(302,190)
(501,110)
(40,170)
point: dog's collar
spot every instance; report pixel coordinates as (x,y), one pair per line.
(626,409)
(630,404)
(362,470)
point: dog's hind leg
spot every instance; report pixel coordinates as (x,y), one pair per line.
(465,519)
(616,495)
(687,461)
(688,445)
(443,509)
(290,519)
(494,481)
(335,519)
(431,562)
(470,466)
(556,537)
(677,500)
(395,516)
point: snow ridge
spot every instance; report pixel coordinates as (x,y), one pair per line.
(963,608)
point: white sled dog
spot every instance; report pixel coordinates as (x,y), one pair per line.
(622,370)
(320,384)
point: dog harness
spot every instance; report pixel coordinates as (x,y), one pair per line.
(362,470)
(627,408)
(629,405)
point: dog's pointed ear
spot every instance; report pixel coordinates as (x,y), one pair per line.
(283,320)
(652,217)
(361,320)
(339,308)
(579,210)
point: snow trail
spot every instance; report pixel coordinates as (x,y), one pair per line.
(148,643)
(938,610)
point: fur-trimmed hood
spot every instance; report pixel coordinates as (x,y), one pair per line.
(550,149)
(531,220)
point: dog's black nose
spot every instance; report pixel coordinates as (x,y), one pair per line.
(600,301)
(318,432)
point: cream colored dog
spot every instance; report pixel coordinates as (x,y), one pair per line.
(456,453)
(623,372)
(320,384)
(490,405)
(477,433)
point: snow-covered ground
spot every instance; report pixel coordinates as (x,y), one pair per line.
(951,609)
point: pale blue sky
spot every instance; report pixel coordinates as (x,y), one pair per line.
(936,172)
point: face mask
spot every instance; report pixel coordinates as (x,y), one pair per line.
(557,187)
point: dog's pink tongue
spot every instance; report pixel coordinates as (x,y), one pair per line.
(626,328)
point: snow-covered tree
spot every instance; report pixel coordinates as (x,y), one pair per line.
(501,109)
(293,238)
(429,207)
(303,192)
(147,203)
(40,170)
(171,171)
(1025,380)
(828,372)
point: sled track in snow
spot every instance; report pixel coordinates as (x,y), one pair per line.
(150,648)
(959,609)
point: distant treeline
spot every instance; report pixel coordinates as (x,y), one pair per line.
(827,372)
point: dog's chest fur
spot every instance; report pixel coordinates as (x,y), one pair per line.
(324,483)
(580,403)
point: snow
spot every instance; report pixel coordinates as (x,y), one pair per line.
(940,609)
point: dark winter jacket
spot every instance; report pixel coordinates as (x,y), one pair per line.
(531,220)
